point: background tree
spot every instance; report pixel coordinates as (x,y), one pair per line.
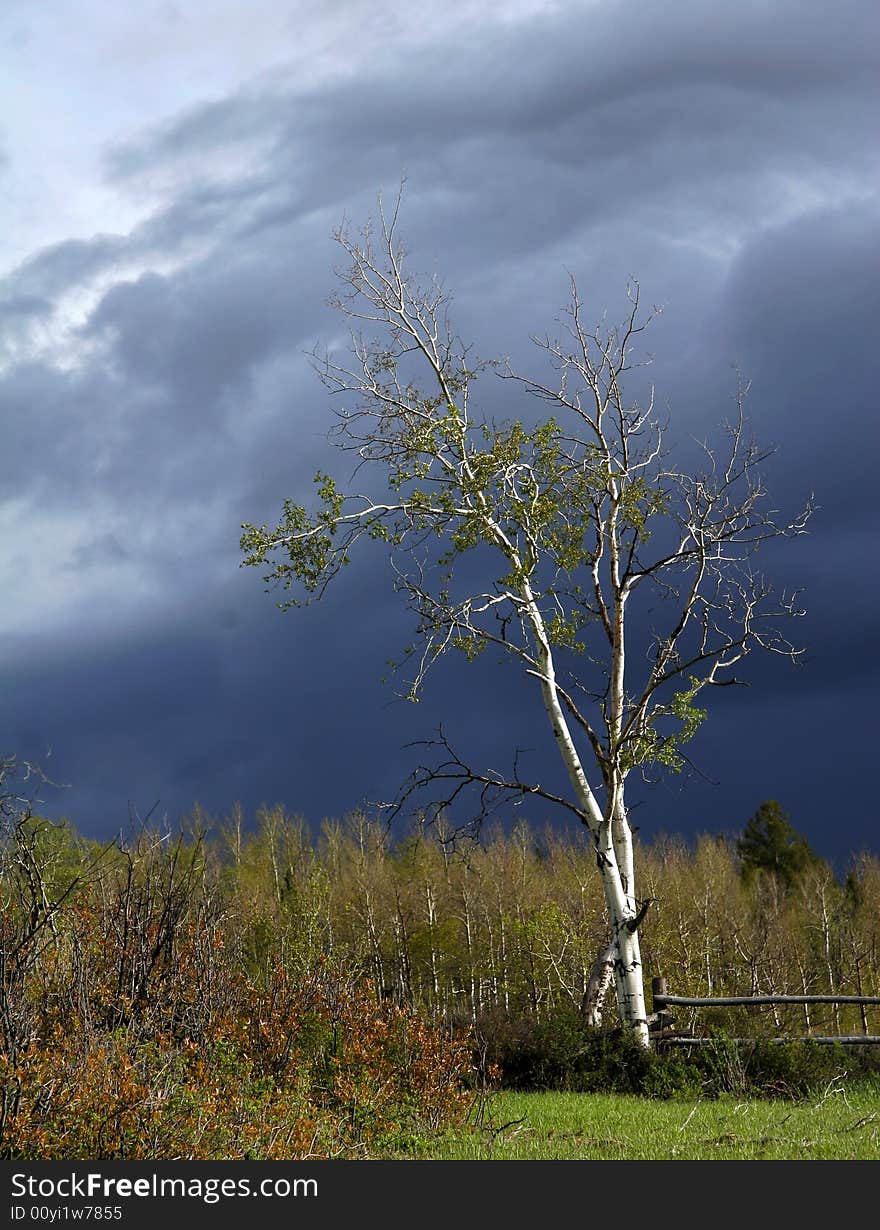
(771,843)
(534,539)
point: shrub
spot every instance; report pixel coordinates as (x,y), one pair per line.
(761,1068)
(356,1075)
(558,1051)
(133,1027)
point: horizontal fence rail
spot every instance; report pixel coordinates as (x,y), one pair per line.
(662,1000)
(843,1039)
(730,1001)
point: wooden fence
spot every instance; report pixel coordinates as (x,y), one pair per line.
(663,1025)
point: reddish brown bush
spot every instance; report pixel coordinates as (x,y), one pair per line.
(134,1028)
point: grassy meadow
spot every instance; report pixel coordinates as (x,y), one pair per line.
(838,1123)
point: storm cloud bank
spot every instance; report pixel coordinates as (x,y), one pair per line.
(155,389)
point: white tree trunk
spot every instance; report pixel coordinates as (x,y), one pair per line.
(611,834)
(601,974)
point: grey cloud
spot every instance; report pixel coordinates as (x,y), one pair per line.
(20,314)
(243,118)
(671,123)
(48,416)
(153,715)
(542,73)
(794,313)
(600,141)
(203,330)
(101,549)
(802,296)
(53,269)
(22,306)
(594,109)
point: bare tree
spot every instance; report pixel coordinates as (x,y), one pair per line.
(564,522)
(35,887)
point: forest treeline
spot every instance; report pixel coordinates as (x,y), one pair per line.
(516,920)
(264,990)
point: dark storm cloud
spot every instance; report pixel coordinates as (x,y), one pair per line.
(795,313)
(163,400)
(201,334)
(215,702)
(675,122)
(681,143)
(540,75)
(240,119)
(49,450)
(57,268)
(798,306)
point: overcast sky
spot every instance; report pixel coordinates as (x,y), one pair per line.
(170,175)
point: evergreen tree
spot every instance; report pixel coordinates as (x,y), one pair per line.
(771,843)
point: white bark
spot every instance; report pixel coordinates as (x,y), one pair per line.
(619,895)
(601,975)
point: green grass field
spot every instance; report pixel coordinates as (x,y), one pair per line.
(838,1123)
